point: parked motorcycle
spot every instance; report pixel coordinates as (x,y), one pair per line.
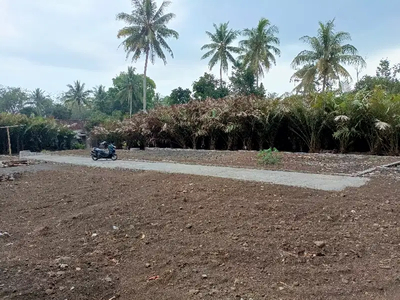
(98,153)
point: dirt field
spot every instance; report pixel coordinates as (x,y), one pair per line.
(304,162)
(79,233)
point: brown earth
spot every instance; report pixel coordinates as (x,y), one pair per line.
(80,233)
(305,162)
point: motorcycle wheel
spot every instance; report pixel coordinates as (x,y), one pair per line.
(114,157)
(94,157)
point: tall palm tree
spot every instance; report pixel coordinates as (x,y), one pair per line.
(77,95)
(146,32)
(324,61)
(129,88)
(220,47)
(260,47)
(38,99)
(99,93)
(100,96)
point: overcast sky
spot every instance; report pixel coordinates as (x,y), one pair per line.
(50,43)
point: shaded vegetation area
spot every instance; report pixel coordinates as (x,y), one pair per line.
(364,121)
(35,134)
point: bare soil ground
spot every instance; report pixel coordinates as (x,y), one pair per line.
(304,162)
(80,233)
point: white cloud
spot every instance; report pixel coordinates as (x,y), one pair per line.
(52,79)
(373,59)
(66,8)
(75,40)
(7,29)
(49,44)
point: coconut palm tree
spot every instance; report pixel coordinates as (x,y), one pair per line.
(100,97)
(99,93)
(129,88)
(221,48)
(40,101)
(259,47)
(77,95)
(146,33)
(324,62)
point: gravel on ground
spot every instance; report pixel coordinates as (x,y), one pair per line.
(305,180)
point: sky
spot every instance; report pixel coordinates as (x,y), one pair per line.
(48,44)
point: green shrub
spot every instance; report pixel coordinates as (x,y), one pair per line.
(35,134)
(269,156)
(78,146)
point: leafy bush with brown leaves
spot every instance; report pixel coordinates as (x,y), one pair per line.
(363,121)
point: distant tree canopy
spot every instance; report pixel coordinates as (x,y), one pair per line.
(386,77)
(208,86)
(179,96)
(12,99)
(244,81)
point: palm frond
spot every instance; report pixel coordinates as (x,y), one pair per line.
(327,54)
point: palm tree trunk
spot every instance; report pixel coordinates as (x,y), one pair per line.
(220,75)
(324,84)
(130,103)
(144,81)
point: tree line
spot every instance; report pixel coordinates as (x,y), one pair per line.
(35,134)
(363,121)
(319,70)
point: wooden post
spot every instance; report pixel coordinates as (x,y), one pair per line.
(8,136)
(9,141)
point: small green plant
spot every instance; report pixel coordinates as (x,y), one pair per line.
(79,146)
(270,156)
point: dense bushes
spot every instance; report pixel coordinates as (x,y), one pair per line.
(363,121)
(37,134)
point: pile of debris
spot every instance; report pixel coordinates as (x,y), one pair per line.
(9,177)
(13,163)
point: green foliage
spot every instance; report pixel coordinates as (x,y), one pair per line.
(310,116)
(77,95)
(41,104)
(323,64)
(61,112)
(146,33)
(269,156)
(126,89)
(386,77)
(260,47)
(384,70)
(36,134)
(179,96)
(100,98)
(220,49)
(243,82)
(28,111)
(207,86)
(12,99)
(78,146)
